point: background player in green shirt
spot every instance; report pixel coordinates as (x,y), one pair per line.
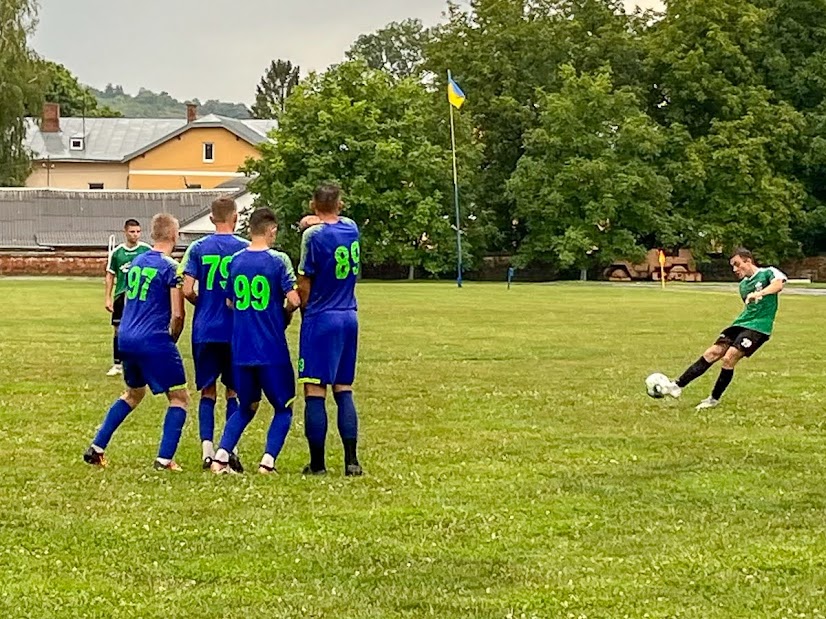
(116,269)
(759,289)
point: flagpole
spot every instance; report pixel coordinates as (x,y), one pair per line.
(455,191)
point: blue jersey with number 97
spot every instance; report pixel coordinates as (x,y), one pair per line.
(331,258)
(207,261)
(148,309)
(258,284)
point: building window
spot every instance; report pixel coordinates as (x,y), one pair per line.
(95,185)
(209,152)
(76,144)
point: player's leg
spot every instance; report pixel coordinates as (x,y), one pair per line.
(348,424)
(116,415)
(207,371)
(745,344)
(228,379)
(248,384)
(315,427)
(279,387)
(319,352)
(173,426)
(117,313)
(164,373)
(711,356)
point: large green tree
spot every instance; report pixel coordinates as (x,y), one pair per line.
(505,54)
(276,85)
(20,88)
(384,140)
(589,188)
(733,143)
(398,48)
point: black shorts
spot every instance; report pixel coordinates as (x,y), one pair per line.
(117,309)
(745,340)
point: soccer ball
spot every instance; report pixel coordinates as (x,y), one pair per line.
(656,384)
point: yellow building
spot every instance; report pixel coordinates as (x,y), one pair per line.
(140,153)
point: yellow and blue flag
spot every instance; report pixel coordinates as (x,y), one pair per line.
(455,94)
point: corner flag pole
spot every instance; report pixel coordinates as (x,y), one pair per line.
(455,192)
(661,259)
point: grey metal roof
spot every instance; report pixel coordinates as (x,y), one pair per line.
(45,218)
(107,139)
(121,139)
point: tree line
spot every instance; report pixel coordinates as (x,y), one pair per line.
(589,132)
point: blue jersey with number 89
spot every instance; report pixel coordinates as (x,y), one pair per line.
(331,258)
(258,284)
(207,261)
(148,309)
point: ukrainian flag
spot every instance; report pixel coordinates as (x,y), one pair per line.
(455,94)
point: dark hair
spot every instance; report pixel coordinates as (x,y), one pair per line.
(743,254)
(326,197)
(223,209)
(260,220)
(131,222)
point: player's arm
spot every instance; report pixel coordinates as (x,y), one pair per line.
(188,270)
(176,324)
(775,287)
(108,302)
(188,290)
(306,268)
(304,287)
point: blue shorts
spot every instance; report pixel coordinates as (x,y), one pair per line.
(213,360)
(328,348)
(162,369)
(277,382)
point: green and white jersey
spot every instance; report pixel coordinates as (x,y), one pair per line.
(759,316)
(120,260)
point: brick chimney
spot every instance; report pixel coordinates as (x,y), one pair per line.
(191,112)
(50,122)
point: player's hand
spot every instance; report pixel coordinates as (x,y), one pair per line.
(110,306)
(753,297)
(308,221)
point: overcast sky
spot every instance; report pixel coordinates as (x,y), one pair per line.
(210,49)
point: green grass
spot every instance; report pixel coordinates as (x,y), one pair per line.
(515,469)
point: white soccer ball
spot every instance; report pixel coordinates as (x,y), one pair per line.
(656,384)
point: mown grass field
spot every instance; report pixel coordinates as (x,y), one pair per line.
(515,468)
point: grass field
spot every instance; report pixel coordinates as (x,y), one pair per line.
(515,468)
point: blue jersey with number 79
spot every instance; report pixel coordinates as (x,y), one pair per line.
(258,284)
(148,309)
(207,261)
(331,258)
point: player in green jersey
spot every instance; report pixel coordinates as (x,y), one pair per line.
(759,290)
(116,269)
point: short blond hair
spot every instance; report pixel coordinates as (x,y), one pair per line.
(223,209)
(164,227)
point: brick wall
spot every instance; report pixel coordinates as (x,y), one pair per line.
(53,263)
(813,267)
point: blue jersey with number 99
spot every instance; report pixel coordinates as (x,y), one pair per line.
(148,309)
(258,284)
(331,258)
